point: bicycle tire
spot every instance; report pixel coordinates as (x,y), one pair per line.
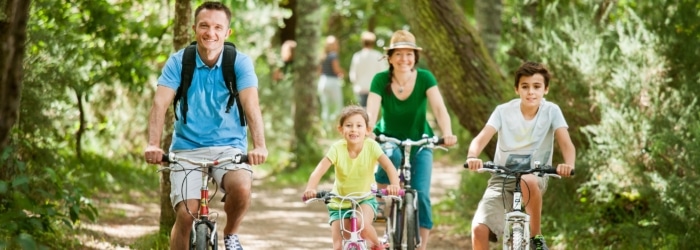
(410,215)
(517,237)
(396,234)
(202,237)
(352,246)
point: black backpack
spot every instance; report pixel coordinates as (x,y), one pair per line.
(189,62)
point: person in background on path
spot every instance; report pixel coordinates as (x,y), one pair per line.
(354,158)
(208,132)
(403,93)
(287,58)
(526,127)
(329,85)
(365,64)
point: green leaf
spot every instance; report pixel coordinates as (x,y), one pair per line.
(3,187)
(20,181)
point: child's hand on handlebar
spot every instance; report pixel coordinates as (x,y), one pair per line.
(564,170)
(474,163)
(393,189)
(309,194)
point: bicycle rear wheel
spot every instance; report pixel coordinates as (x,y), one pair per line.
(411,216)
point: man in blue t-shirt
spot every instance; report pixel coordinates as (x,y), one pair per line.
(210,132)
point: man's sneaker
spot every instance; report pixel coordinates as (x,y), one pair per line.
(232,243)
(537,243)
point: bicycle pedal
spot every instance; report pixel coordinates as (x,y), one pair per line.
(380,219)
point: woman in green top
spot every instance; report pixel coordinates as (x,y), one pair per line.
(403,93)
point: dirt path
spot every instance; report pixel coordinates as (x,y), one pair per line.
(277,219)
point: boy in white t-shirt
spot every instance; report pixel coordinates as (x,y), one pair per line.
(526,130)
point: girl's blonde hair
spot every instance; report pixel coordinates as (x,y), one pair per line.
(353,110)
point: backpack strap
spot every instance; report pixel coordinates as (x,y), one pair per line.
(229,72)
(189,62)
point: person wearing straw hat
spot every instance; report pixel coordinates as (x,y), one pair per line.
(403,93)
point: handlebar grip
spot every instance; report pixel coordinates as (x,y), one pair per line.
(244,158)
(440,141)
(383,191)
(165,158)
(319,195)
(550,171)
(488,164)
(553,170)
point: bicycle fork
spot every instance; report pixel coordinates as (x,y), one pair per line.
(355,241)
(517,227)
(203,214)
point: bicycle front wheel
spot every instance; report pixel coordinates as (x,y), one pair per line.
(519,241)
(201,240)
(395,225)
(411,216)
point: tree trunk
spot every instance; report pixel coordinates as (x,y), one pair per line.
(488,19)
(470,81)
(181,38)
(13,23)
(305,64)
(290,24)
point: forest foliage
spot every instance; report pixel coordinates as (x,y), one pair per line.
(625,74)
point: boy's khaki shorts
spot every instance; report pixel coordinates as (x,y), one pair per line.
(492,209)
(191,188)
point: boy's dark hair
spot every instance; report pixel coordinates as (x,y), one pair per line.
(530,69)
(353,110)
(213,6)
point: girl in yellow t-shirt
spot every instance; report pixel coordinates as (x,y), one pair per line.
(354,159)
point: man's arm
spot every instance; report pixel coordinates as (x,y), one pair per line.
(251,105)
(163,98)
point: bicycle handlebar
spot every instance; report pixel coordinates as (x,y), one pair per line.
(325,195)
(235,159)
(408,142)
(493,168)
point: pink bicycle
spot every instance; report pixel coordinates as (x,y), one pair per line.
(354,241)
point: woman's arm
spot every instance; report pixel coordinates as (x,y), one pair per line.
(337,69)
(373,103)
(443,117)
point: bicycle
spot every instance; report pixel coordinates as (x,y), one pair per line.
(516,231)
(203,235)
(403,216)
(355,241)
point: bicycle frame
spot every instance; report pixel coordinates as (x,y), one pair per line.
(354,241)
(397,216)
(202,217)
(516,229)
